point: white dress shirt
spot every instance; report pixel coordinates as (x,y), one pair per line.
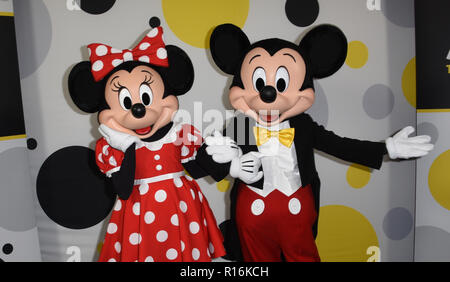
(279,165)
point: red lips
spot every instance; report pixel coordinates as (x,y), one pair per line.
(144,130)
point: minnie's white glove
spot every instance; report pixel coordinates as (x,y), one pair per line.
(116,139)
(404,147)
(223,149)
(246,167)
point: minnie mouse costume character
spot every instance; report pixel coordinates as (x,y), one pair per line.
(161,213)
(275,198)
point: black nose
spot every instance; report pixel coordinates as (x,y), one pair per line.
(138,110)
(268,94)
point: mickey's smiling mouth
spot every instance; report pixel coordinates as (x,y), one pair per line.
(143,131)
(268,118)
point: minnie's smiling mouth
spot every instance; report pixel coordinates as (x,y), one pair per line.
(143,131)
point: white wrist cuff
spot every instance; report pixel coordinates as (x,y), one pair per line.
(235,167)
(391,148)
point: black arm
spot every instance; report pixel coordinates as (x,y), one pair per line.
(123,180)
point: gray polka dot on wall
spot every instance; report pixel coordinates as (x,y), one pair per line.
(399,12)
(397,223)
(16,197)
(427,128)
(34,34)
(378,101)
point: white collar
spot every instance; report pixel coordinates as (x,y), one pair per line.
(170,137)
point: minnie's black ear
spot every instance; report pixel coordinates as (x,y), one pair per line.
(84,91)
(228,44)
(179,76)
(325,47)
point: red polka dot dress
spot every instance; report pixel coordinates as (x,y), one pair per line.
(166,218)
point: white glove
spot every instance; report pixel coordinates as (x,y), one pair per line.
(223,149)
(246,167)
(402,146)
(116,139)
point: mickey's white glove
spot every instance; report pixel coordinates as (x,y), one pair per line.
(402,146)
(223,149)
(246,167)
(116,139)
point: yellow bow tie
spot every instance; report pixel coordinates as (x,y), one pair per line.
(285,136)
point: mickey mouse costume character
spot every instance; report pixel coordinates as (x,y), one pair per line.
(161,213)
(275,198)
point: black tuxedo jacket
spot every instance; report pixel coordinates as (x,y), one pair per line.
(308,136)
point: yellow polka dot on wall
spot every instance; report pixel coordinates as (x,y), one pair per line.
(345,235)
(223,185)
(357,54)
(193,21)
(358,175)
(439,179)
(409,82)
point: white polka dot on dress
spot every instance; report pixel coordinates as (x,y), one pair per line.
(174,220)
(112,228)
(182,245)
(160,196)
(195,253)
(112,260)
(137,208)
(184,151)
(118,205)
(193,194)
(149,259)
(200,196)
(159,167)
(135,239)
(149,217)
(162,236)
(183,206)
(118,247)
(143,189)
(257,207)
(211,248)
(171,254)
(178,182)
(194,227)
(157,157)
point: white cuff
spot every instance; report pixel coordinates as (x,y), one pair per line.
(390,146)
(235,167)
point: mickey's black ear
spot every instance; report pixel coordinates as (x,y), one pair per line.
(179,76)
(84,91)
(326,49)
(228,44)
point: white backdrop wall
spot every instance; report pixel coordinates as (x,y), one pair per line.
(365,215)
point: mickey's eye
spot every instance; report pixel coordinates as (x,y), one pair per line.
(259,79)
(282,79)
(125,99)
(146,94)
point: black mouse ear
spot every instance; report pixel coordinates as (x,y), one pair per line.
(325,47)
(84,91)
(228,44)
(179,76)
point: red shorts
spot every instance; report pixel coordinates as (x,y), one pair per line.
(276,226)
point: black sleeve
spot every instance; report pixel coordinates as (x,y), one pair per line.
(209,166)
(123,180)
(194,169)
(352,150)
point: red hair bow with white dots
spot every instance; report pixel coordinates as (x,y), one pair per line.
(151,50)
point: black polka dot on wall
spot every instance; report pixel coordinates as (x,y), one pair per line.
(71,189)
(96,7)
(31,143)
(302,12)
(7,249)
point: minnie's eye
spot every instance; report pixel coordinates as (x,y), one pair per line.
(259,79)
(282,79)
(146,94)
(125,99)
